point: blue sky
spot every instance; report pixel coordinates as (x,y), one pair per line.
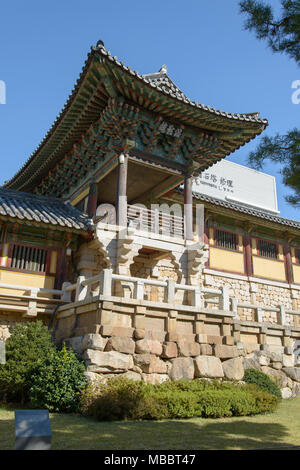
(43,46)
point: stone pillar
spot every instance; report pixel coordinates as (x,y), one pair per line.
(92,199)
(188,208)
(121,192)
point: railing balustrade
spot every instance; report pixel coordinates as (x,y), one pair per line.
(31,301)
(200,297)
(35,300)
(154,221)
(106,278)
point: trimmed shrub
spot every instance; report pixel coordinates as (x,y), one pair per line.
(263,381)
(114,400)
(26,349)
(119,399)
(58,381)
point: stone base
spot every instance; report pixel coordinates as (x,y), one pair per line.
(156,361)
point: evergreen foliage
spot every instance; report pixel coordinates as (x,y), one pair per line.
(283,35)
(120,399)
(57,383)
(39,374)
(27,348)
(263,381)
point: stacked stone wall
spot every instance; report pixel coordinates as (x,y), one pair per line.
(259,293)
(156,344)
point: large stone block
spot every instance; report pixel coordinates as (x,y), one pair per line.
(201,338)
(142,359)
(76,343)
(277,375)
(214,339)
(170,350)
(156,365)
(149,363)
(139,333)
(188,349)
(155,379)
(225,352)
(182,368)
(233,368)
(229,340)
(110,361)
(251,363)
(148,346)
(208,366)
(130,374)
(296,390)
(93,341)
(293,373)
(287,361)
(206,349)
(156,335)
(264,360)
(122,344)
(286,392)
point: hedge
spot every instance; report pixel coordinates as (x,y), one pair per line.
(122,399)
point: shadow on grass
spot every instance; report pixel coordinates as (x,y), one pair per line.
(84,433)
(77,432)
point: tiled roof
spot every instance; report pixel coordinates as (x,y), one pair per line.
(40,209)
(162,81)
(246,210)
(89,98)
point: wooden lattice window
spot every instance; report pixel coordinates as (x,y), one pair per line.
(226,239)
(267,249)
(28,258)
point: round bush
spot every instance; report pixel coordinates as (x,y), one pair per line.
(263,381)
(26,349)
(58,381)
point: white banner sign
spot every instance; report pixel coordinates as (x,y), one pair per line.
(236,183)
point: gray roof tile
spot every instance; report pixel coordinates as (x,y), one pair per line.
(42,209)
(246,210)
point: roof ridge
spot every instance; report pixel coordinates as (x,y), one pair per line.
(35,196)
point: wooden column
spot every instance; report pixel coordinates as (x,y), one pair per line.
(288,263)
(121,193)
(248,255)
(92,199)
(188,208)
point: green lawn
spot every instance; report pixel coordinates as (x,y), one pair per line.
(273,430)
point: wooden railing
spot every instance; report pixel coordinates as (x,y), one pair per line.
(154,221)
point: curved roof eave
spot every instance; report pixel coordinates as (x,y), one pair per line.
(70,116)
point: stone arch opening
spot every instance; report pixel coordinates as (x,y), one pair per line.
(157,265)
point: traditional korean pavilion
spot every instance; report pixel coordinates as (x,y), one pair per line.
(165,137)
(92,242)
(121,140)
